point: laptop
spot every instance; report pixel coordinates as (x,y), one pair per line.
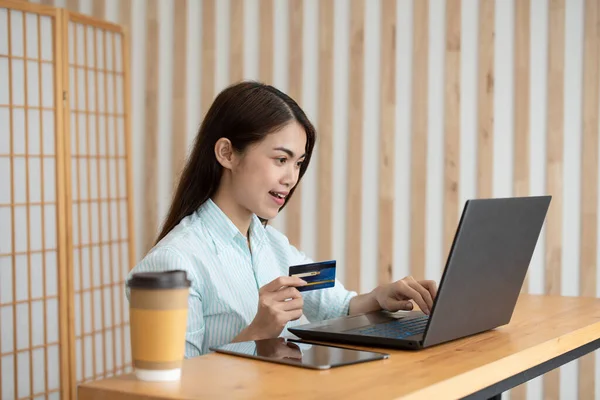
(480,285)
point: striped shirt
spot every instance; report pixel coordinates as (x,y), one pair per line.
(226,276)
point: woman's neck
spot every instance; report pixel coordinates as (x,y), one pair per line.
(240,216)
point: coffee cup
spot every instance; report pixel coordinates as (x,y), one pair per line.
(158,304)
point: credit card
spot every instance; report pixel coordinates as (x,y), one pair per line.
(318,275)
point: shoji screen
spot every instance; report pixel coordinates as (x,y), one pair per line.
(100,218)
(33,334)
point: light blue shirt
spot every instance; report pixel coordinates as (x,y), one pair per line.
(226,276)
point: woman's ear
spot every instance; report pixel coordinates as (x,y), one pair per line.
(224,153)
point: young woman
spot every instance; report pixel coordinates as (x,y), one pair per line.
(252,149)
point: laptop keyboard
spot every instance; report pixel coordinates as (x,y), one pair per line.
(398,329)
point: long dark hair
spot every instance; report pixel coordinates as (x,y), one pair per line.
(244,113)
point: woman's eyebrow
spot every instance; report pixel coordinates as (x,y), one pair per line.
(288,151)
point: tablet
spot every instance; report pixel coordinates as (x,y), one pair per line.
(284,351)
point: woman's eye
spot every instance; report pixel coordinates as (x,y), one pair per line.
(281,160)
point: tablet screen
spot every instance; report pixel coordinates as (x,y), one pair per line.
(305,355)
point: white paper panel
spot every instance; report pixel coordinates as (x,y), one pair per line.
(104,191)
(8,371)
(118,347)
(50,226)
(31,25)
(39,368)
(80,89)
(111,139)
(122,179)
(117,291)
(46,35)
(80,44)
(102,135)
(5,178)
(120,95)
(20,229)
(4,129)
(87,312)
(51,273)
(82,134)
(34,136)
(93,164)
(123,219)
(35,181)
(33,83)
(4,94)
(91,90)
(71,43)
(20,185)
(108,300)
(78,308)
(100,49)
(110,65)
(85,268)
(52,320)
(92,140)
(95,266)
(16,33)
(3,31)
(49,179)
(87,351)
(101,92)
(118,53)
(79,351)
(99,353)
(35,230)
(76,271)
(22,278)
(18,131)
(22,326)
(23,374)
(89,49)
(125,261)
(37,318)
(97,306)
(5,229)
(113,212)
(48,85)
(6,292)
(109,354)
(48,132)
(18,82)
(53,373)
(121,137)
(74,186)
(116,267)
(83,178)
(7,329)
(110,93)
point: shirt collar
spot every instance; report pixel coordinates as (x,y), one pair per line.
(223,230)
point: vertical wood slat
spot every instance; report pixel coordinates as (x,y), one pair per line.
(589,178)
(294,204)
(236,45)
(65,204)
(28,213)
(452,121)
(521,101)
(355,116)
(86,91)
(485,101)
(554,163)
(265,59)
(419,137)
(521,138)
(208,55)
(179,88)
(150,127)
(325,129)
(43,213)
(387,114)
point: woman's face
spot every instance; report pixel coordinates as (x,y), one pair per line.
(267,171)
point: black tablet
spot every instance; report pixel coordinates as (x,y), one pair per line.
(295,353)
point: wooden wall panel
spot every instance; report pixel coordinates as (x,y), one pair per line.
(207,85)
(589,179)
(325,130)
(418,165)
(178,124)
(387,116)
(554,162)
(355,116)
(236,45)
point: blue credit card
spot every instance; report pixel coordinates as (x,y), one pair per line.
(318,275)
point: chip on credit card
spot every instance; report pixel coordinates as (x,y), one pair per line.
(319,275)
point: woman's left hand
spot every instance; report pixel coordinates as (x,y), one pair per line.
(398,295)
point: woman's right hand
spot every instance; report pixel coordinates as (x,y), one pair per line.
(274,308)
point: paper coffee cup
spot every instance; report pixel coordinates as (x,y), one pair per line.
(158,317)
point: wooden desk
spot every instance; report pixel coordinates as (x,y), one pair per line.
(545,333)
